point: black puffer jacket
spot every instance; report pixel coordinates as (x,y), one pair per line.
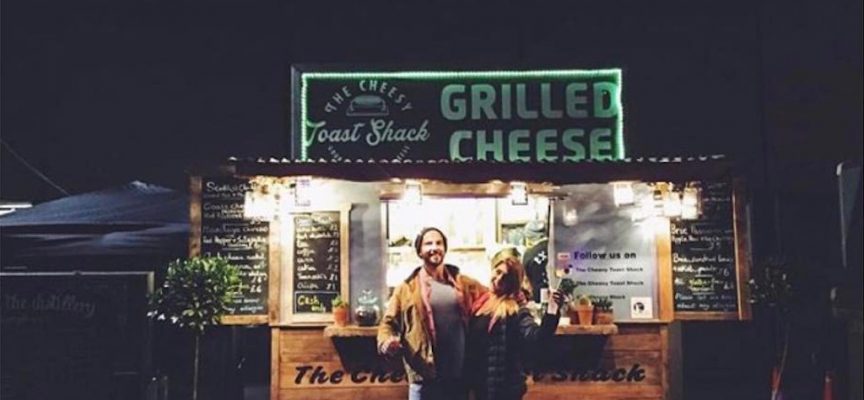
(495,358)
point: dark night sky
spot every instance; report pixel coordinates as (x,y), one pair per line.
(97,93)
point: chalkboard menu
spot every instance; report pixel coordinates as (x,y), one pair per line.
(319,263)
(243,242)
(704,271)
(316,261)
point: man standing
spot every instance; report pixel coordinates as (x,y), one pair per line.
(426,320)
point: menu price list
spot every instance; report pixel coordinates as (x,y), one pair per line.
(226,233)
(317,261)
(703,255)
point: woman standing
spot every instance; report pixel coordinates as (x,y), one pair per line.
(503,331)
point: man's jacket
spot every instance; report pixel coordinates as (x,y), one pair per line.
(409,319)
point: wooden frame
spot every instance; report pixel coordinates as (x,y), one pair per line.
(288,316)
(195,234)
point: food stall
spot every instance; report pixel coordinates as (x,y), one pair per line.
(339,229)
(653,241)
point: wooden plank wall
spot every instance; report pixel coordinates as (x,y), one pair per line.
(642,362)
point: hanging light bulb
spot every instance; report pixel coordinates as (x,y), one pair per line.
(672,204)
(690,203)
(518,194)
(259,203)
(622,193)
(569,216)
(303,191)
(413,194)
(656,203)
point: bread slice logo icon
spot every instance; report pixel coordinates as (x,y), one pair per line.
(367,105)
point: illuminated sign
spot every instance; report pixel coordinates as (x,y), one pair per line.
(505,116)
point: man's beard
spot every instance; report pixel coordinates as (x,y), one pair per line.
(433,258)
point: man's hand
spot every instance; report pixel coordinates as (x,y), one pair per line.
(391,347)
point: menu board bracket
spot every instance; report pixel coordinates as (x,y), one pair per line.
(317,243)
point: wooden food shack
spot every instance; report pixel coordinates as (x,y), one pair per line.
(656,241)
(348,234)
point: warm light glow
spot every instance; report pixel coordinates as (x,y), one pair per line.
(570,217)
(653,226)
(518,194)
(672,204)
(623,193)
(689,212)
(303,191)
(690,197)
(690,203)
(413,194)
(259,204)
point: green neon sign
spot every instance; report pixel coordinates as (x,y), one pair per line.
(506,116)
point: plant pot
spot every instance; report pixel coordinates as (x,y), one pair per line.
(604,317)
(585,314)
(340,316)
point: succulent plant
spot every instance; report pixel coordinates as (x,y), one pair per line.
(567,286)
(584,300)
(338,302)
(603,304)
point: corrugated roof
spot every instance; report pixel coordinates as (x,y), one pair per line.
(674,168)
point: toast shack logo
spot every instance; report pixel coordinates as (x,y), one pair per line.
(366,115)
(502,116)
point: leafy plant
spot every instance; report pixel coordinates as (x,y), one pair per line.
(584,300)
(602,304)
(338,302)
(567,286)
(194,296)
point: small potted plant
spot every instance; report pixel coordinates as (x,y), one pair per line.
(603,311)
(584,310)
(340,311)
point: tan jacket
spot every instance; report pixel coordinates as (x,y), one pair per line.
(406,318)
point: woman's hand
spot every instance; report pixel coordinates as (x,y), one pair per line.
(556,303)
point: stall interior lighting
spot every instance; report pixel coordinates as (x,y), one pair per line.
(518,194)
(303,192)
(690,203)
(570,218)
(672,204)
(623,193)
(413,194)
(259,203)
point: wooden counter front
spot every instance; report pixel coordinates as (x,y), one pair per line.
(641,362)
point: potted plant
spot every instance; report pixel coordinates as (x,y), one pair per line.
(340,311)
(194,296)
(567,287)
(584,310)
(603,311)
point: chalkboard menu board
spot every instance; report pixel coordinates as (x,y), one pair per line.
(704,270)
(320,264)
(243,242)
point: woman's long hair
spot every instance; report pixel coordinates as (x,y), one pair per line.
(514,291)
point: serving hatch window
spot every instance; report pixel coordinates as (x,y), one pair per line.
(476,228)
